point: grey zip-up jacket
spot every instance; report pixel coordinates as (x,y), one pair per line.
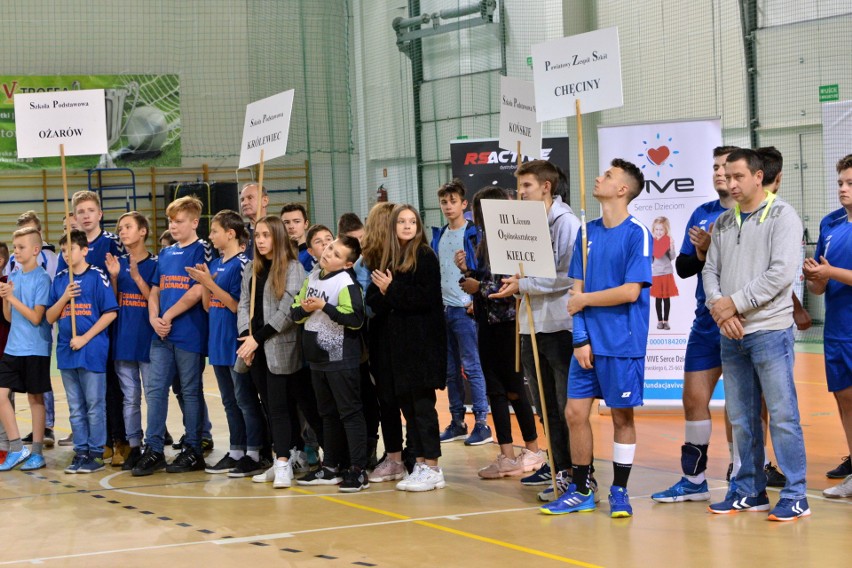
(755,264)
(549,296)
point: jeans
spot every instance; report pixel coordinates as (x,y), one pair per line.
(49,410)
(166,362)
(132,375)
(762,363)
(554,352)
(463,351)
(242,409)
(85,392)
(206,427)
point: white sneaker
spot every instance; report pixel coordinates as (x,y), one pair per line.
(533,460)
(388,470)
(428,480)
(283,474)
(409,477)
(265,477)
(299,461)
(844,490)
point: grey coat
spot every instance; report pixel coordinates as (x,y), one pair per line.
(283,351)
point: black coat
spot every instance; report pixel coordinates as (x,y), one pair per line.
(415,330)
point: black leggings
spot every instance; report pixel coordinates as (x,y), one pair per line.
(663,305)
(421,422)
(505,386)
(273,389)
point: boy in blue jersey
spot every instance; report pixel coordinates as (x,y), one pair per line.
(830,273)
(82,359)
(295,218)
(130,275)
(462,349)
(25,366)
(610,303)
(180,341)
(331,309)
(222,282)
(703,362)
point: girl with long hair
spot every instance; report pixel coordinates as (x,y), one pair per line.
(406,288)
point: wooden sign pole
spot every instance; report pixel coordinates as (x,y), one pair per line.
(582,161)
(68,237)
(259,206)
(518,300)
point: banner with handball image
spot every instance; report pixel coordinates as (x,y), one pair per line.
(676,159)
(142,119)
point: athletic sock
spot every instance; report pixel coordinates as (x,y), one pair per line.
(766,461)
(38,447)
(236,454)
(254,454)
(16,445)
(622,462)
(581,478)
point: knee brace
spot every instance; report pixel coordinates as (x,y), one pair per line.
(693,458)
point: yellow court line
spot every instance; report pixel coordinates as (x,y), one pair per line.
(456,532)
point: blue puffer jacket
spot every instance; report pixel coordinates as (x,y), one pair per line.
(471,240)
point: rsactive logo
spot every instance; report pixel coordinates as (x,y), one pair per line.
(659,154)
(495,157)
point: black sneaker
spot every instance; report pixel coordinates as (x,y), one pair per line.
(132,459)
(246,467)
(187,460)
(354,480)
(167,439)
(179,444)
(224,465)
(28,439)
(206,445)
(150,462)
(322,476)
(841,471)
(774,478)
(49,438)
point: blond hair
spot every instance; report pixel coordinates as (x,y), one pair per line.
(188,204)
(28,231)
(377,234)
(28,217)
(84,195)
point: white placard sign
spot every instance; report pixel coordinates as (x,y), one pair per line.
(75,119)
(266,128)
(517,117)
(585,66)
(518,232)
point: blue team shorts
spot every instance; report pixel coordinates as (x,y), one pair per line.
(838,365)
(703,350)
(618,380)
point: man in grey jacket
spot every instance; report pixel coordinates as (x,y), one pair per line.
(748,278)
(548,297)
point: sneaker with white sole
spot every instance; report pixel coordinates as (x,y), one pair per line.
(481,434)
(387,470)
(501,467)
(563,479)
(790,510)
(541,476)
(428,480)
(842,491)
(354,480)
(246,466)
(738,503)
(282,474)
(409,477)
(683,490)
(267,476)
(15,458)
(841,471)
(299,461)
(533,460)
(79,459)
(224,465)
(454,431)
(322,476)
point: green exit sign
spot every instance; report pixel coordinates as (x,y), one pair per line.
(828,93)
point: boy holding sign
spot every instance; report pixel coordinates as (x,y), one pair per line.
(610,295)
(537,181)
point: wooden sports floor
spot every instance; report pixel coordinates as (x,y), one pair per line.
(112,519)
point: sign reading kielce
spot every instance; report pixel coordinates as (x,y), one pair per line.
(518,233)
(266,128)
(585,66)
(74,119)
(518,124)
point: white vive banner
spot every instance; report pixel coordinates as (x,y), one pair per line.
(676,159)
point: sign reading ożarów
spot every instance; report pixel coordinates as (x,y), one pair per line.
(75,119)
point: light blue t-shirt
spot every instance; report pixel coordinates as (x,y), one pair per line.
(32,289)
(451,292)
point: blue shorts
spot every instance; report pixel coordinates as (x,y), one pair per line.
(703,350)
(618,380)
(838,365)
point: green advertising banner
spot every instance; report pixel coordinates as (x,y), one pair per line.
(142,116)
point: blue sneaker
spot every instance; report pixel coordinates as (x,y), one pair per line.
(541,476)
(481,435)
(619,503)
(790,510)
(683,490)
(14,458)
(739,503)
(563,479)
(91,465)
(35,461)
(78,461)
(572,501)
(455,431)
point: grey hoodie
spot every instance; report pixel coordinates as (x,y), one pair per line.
(755,264)
(549,296)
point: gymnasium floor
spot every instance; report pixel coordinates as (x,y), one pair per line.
(111,518)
